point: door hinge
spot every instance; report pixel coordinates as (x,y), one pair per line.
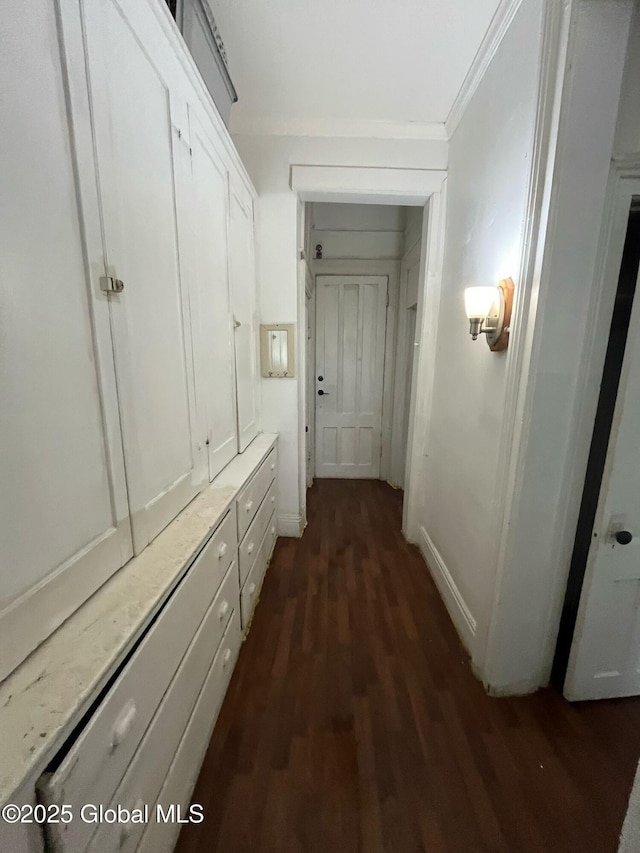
(110,284)
(387,300)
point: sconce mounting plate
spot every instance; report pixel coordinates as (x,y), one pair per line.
(499,340)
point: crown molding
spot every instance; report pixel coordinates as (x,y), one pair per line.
(499,25)
(337,128)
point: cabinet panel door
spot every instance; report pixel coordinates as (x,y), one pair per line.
(141,146)
(243,304)
(210,276)
(64,526)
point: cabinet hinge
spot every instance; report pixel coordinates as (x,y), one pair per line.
(110,284)
(387,300)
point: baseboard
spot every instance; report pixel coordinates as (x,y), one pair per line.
(460,614)
(517,688)
(290,524)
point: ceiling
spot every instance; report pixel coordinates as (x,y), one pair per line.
(300,62)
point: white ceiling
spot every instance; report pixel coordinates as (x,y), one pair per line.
(347,61)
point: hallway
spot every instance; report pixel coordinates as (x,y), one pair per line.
(354,723)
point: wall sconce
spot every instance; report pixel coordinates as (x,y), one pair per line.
(489,313)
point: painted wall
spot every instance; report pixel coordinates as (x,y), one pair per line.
(268,160)
(489,171)
(565,371)
(371,231)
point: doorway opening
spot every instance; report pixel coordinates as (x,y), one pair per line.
(362,288)
(573,645)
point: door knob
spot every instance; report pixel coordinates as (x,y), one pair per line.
(623,537)
(321,393)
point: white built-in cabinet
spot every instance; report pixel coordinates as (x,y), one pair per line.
(243,304)
(117,407)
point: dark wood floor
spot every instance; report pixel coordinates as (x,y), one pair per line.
(354,723)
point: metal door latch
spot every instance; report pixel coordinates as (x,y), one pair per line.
(110,284)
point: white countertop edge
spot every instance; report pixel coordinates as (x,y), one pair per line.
(47,695)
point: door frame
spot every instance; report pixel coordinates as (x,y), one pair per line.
(425,188)
(623,185)
(309,397)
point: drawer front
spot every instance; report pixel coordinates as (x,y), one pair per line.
(251,588)
(253,493)
(255,534)
(95,764)
(146,773)
(185,767)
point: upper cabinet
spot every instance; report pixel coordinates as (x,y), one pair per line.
(64,518)
(140,126)
(242,273)
(124,386)
(210,275)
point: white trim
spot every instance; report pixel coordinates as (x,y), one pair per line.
(336,128)
(290,525)
(424,360)
(499,25)
(456,605)
(524,352)
(367,185)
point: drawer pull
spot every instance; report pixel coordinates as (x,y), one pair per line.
(273,499)
(123,724)
(273,466)
(226,657)
(222,550)
(248,506)
(224,609)
(252,588)
(273,528)
(250,548)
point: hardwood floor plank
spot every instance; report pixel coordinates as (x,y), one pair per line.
(353,721)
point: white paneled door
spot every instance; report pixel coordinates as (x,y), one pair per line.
(350,346)
(142,152)
(605,655)
(64,516)
(241,270)
(211,296)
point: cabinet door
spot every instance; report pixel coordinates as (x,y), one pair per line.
(140,135)
(210,277)
(243,304)
(63,504)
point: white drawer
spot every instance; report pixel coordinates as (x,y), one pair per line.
(251,588)
(92,769)
(254,535)
(185,767)
(253,493)
(143,779)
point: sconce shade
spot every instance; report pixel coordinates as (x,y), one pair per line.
(478,301)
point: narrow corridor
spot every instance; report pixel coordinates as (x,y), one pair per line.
(353,721)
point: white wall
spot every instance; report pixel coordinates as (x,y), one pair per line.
(561,395)
(489,171)
(371,231)
(268,160)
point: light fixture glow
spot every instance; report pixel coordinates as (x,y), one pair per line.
(489,313)
(478,301)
